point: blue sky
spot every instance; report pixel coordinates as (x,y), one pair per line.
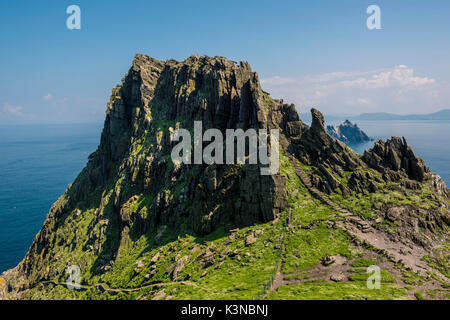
(312,53)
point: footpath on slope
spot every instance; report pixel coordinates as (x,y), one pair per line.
(407,253)
(104,287)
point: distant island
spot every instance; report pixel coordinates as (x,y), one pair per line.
(348,133)
(439,115)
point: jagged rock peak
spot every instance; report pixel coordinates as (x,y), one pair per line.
(317,120)
(396,155)
(348,123)
(218,91)
(157,96)
(218,61)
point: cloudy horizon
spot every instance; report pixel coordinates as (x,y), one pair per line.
(396,90)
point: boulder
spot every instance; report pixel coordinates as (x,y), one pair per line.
(250,240)
(337,277)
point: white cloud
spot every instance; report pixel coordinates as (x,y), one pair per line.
(48,97)
(359,101)
(396,90)
(399,76)
(9,110)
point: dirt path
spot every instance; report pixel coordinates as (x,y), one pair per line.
(104,287)
(307,182)
(405,252)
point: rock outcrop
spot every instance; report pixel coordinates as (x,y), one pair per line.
(395,155)
(133,164)
(313,146)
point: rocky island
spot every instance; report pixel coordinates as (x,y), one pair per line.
(136,225)
(348,133)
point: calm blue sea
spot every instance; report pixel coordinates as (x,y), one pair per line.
(38,162)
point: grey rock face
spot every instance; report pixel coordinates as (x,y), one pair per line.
(317,120)
(396,155)
(133,158)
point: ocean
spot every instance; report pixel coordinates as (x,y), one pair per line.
(37,162)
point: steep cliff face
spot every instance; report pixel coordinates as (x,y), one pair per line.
(131,182)
(134,217)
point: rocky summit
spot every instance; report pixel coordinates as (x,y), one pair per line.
(348,133)
(136,225)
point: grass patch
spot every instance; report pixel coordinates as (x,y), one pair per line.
(362,275)
(411,278)
(306,247)
(364,262)
(419,295)
(338,291)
